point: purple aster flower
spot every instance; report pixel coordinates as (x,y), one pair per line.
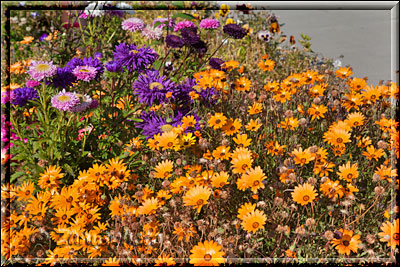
(32,83)
(94,104)
(113,66)
(184,24)
(133,24)
(200,47)
(152,88)
(63,78)
(153,123)
(74,62)
(171,22)
(215,63)
(85,73)
(87,61)
(41,69)
(84,103)
(65,101)
(152,33)
(190,36)
(23,95)
(209,24)
(98,55)
(95,63)
(235,31)
(134,58)
(44,36)
(174,41)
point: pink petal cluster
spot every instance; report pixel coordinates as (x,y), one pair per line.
(184,24)
(209,24)
(39,71)
(133,24)
(85,73)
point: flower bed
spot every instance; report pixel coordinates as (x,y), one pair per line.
(172,133)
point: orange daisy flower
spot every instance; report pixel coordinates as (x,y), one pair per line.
(197,197)
(390,233)
(304,194)
(208,254)
(347,243)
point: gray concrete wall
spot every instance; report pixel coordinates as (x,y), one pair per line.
(364,35)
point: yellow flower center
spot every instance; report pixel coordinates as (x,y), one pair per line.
(156,85)
(42,67)
(63,98)
(166,128)
(84,70)
(134,51)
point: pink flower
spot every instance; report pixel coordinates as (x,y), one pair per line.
(209,24)
(133,24)
(184,24)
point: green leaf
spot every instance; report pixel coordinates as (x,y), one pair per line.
(68,169)
(184,16)
(178,4)
(16,175)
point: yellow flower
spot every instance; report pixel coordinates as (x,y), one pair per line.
(208,254)
(254,221)
(164,169)
(390,233)
(304,194)
(347,242)
(197,197)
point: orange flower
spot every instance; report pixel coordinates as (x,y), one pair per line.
(208,254)
(304,194)
(347,242)
(217,120)
(266,65)
(242,84)
(344,73)
(373,153)
(27,40)
(231,127)
(302,157)
(197,197)
(390,233)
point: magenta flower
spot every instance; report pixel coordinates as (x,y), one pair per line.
(42,69)
(133,24)
(209,24)
(184,24)
(85,73)
(32,83)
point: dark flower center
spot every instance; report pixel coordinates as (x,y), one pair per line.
(306,198)
(200,202)
(339,140)
(396,236)
(255,225)
(207,257)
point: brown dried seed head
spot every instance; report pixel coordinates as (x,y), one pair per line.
(370,239)
(329,235)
